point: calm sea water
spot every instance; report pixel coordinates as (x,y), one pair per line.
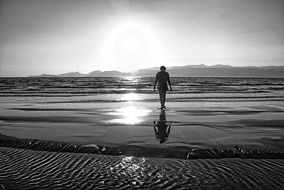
(197,87)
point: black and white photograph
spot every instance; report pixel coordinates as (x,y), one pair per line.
(141,94)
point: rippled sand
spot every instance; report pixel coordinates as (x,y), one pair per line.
(38,164)
(29,169)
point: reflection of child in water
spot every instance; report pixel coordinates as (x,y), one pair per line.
(162,128)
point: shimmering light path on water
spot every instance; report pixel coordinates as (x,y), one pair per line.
(203,112)
(129,113)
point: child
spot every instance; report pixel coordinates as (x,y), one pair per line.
(162,128)
(162,78)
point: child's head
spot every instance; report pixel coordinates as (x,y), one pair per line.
(163,140)
(162,68)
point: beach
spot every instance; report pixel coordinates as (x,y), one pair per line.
(28,169)
(86,133)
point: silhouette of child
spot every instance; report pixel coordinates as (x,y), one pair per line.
(162,128)
(163,79)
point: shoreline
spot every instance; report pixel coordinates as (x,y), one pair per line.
(217,140)
(175,152)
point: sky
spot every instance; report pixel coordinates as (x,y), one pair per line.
(58,36)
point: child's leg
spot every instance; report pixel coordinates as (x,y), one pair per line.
(162,98)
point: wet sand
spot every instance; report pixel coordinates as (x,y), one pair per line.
(200,124)
(37,164)
(29,169)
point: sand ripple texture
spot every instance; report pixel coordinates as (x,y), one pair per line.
(29,169)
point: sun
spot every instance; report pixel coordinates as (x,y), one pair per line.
(130,45)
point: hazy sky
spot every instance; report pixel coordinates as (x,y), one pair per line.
(57,36)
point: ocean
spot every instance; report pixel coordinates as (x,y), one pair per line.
(118,113)
(63,87)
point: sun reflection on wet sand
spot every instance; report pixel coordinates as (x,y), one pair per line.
(131,167)
(130,97)
(129,113)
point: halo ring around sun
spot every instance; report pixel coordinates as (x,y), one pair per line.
(130,46)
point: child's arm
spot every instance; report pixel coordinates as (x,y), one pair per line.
(155,127)
(169,81)
(169,130)
(156,80)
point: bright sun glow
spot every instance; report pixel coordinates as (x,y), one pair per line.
(129,46)
(130,97)
(130,115)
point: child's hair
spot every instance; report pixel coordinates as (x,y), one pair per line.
(163,68)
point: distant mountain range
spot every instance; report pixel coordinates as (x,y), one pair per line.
(188,71)
(91,74)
